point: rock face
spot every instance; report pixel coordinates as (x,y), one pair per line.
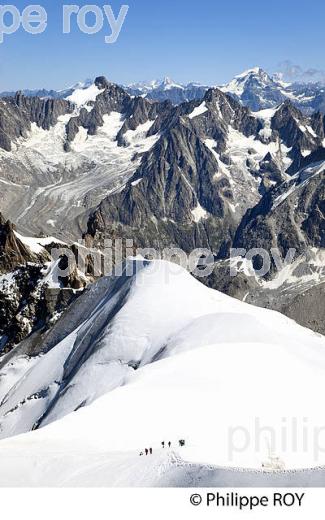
(307,308)
(290,216)
(21,306)
(292,127)
(13,123)
(13,252)
(17,114)
(157,203)
(43,112)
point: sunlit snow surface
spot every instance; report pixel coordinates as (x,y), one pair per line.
(208,365)
(82,96)
(201,109)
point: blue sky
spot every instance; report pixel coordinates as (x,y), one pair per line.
(208,41)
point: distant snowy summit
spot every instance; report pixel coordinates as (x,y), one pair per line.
(255,89)
(258,90)
(160,90)
(156,84)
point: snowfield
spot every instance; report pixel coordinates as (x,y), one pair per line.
(83,96)
(153,356)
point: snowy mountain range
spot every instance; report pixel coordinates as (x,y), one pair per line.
(241,166)
(167,89)
(254,88)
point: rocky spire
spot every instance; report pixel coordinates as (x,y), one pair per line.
(101,82)
(12,250)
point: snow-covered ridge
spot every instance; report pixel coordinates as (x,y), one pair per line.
(37,245)
(172,345)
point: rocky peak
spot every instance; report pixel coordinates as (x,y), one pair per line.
(12,250)
(230,112)
(286,110)
(296,131)
(213,94)
(101,82)
(256,76)
(168,83)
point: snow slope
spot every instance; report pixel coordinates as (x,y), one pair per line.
(82,96)
(158,356)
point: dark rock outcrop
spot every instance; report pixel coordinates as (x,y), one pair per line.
(13,252)
(27,302)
